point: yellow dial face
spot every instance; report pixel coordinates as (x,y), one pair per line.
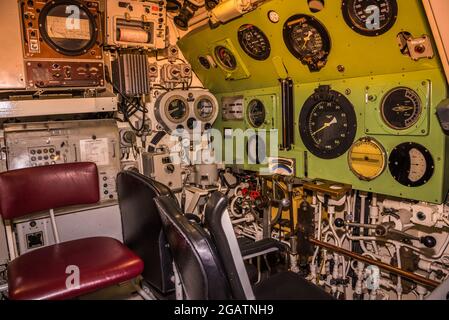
(367,159)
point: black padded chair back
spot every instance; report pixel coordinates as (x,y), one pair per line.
(194,255)
(142,227)
(220,227)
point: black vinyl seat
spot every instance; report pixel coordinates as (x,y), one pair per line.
(284,285)
(142,228)
(212,270)
(194,254)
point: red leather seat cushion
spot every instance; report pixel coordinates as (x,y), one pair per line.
(41,274)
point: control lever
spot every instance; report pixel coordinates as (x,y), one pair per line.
(281,204)
(387,229)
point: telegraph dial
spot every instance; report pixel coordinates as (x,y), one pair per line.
(327,123)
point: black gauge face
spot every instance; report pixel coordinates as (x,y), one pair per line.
(254,42)
(307,40)
(328,123)
(205,109)
(401,108)
(204,62)
(225,58)
(370,17)
(176,110)
(411,164)
(68,27)
(256,149)
(256,113)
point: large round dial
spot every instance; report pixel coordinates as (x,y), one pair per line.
(308,40)
(327,123)
(226,58)
(68,27)
(401,108)
(411,164)
(370,17)
(254,42)
(256,113)
(367,159)
(176,110)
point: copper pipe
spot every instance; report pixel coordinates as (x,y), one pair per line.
(384,266)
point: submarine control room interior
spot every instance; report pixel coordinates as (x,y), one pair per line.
(224,150)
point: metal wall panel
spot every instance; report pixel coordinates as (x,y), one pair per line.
(12,69)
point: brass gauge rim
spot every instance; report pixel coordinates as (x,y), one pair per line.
(168,115)
(214,108)
(382,150)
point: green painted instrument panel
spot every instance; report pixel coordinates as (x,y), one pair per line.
(356,54)
(363,69)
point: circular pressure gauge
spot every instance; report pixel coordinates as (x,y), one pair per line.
(327,123)
(308,40)
(176,109)
(370,17)
(256,113)
(226,58)
(254,42)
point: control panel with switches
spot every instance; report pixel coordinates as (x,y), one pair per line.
(48,74)
(49,143)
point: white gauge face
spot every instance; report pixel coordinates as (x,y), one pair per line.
(273,16)
(418,165)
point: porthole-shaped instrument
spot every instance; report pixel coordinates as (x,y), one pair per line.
(411,164)
(206,109)
(401,108)
(367,159)
(308,40)
(68,27)
(370,17)
(176,109)
(256,113)
(256,149)
(327,123)
(225,58)
(254,42)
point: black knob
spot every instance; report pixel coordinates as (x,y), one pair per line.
(429,241)
(170,168)
(339,223)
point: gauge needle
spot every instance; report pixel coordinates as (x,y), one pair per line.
(307,39)
(402,108)
(326,125)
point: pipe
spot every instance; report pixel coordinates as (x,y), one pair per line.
(386,267)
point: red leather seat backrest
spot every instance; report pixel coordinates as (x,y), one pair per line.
(31,190)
